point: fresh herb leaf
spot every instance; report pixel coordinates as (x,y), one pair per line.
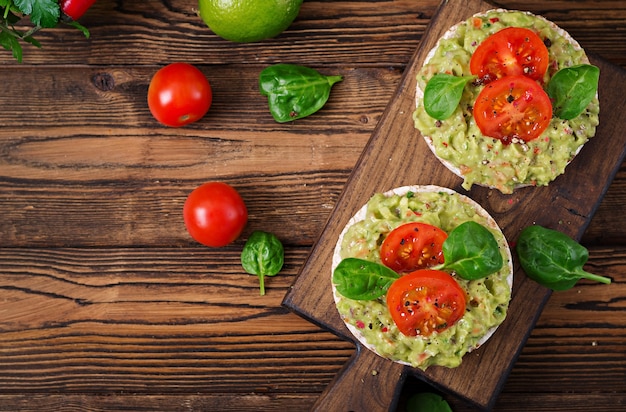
(427,402)
(262,255)
(43,13)
(443,93)
(361,279)
(293,91)
(471,251)
(553,259)
(572,89)
(80,27)
(11,43)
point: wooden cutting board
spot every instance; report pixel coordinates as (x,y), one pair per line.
(397,155)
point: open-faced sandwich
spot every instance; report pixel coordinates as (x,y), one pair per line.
(506,99)
(422,275)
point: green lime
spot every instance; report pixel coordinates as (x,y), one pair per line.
(246,21)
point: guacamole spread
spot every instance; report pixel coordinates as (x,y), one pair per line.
(370,320)
(458,142)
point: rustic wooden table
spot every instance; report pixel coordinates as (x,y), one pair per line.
(106,303)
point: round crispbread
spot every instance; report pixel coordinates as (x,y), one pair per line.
(457,167)
(507,272)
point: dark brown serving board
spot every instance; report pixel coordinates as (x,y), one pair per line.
(397,155)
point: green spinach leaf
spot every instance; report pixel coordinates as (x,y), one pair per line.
(471,251)
(442,94)
(572,89)
(361,279)
(553,259)
(294,92)
(262,255)
(427,402)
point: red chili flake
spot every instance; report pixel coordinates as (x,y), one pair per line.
(494,19)
(384,329)
(360,324)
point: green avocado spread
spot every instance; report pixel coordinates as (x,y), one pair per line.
(487,299)
(484,160)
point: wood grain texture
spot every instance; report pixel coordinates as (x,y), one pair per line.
(107,304)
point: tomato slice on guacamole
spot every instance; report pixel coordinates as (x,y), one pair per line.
(413,246)
(425,301)
(511,51)
(513,108)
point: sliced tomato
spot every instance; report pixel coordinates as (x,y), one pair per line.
(413,246)
(425,301)
(510,52)
(514,107)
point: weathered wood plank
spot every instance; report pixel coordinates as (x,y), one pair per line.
(40,212)
(155,32)
(112,320)
(96,184)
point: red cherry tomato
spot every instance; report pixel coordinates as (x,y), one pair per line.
(513,107)
(510,52)
(179,94)
(413,246)
(425,301)
(215,214)
(75,8)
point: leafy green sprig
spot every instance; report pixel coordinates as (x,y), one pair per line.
(41,14)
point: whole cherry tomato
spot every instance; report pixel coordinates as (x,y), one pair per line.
(413,246)
(75,9)
(215,214)
(513,107)
(510,52)
(179,94)
(425,301)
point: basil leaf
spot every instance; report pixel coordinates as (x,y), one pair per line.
(553,259)
(293,91)
(361,279)
(472,251)
(572,89)
(262,255)
(442,95)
